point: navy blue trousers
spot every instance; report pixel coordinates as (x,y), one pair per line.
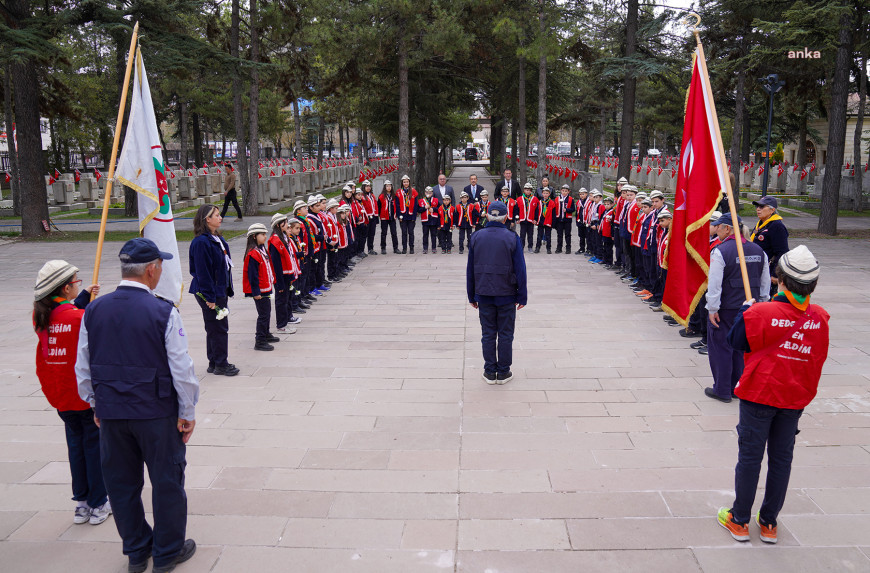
(125,445)
(581,237)
(759,426)
(407,228)
(527,233)
(563,234)
(497,336)
(726,364)
(372,229)
(430,232)
(264,317)
(389,225)
(216,333)
(283,312)
(83,446)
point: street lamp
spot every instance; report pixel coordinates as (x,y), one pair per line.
(771,85)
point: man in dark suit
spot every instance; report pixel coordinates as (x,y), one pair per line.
(509,182)
(473,189)
(443,189)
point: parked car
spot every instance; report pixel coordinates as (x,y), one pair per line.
(653,152)
(471,154)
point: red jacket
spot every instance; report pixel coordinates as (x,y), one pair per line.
(446,218)
(547,210)
(606,224)
(564,208)
(370,203)
(265,279)
(663,239)
(407,201)
(465,215)
(787,376)
(424,205)
(529,209)
(56,358)
(617,209)
(386,207)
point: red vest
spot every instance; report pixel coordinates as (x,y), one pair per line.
(370,203)
(56,358)
(529,209)
(788,376)
(635,230)
(265,276)
(358,212)
(342,235)
(511,205)
(617,209)
(607,224)
(563,206)
(286,265)
(663,240)
(445,216)
(632,216)
(295,255)
(386,207)
(547,210)
(426,204)
(587,211)
(464,215)
(407,200)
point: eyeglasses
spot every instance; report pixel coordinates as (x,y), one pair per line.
(75,282)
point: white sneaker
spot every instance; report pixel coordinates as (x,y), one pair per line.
(83,514)
(100,514)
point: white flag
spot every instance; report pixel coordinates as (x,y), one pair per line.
(141,168)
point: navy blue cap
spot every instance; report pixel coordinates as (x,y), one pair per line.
(725,219)
(141,250)
(766,200)
(497,209)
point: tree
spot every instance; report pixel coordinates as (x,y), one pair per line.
(626,135)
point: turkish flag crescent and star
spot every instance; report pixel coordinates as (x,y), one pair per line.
(700,182)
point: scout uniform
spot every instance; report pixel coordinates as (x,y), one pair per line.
(562,219)
(427,206)
(465,215)
(483,207)
(528,214)
(388,207)
(446,222)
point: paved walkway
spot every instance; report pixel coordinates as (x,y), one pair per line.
(369,442)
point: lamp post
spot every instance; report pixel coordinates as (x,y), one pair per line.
(771,85)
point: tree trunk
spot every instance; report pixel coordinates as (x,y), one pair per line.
(197,141)
(297,129)
(404,105)
(25,86)
(626,134)
(836,128)
(238,111)
(503,146)
(182,135)
(431,161)
(744,147)
(365,147)
(341,140)
(542,97)
(521,123)
(602,150)
(321,136)
(859,123)
(420,174)
(251,204)
(14,183)
(801,158)
(513,161)
(573,140)
(737,132)
(589,142)
(223,146)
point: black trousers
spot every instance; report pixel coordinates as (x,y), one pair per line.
(563,232)
(445,237)
(264,317)
(391,225)
(593,241)
(370,232)
(282,307)
(607,250)
(125,447)
(430,231)
(231,198)
(649,271)
(216,333)
(726,364)
(332,263)
(617,243)
(464,233)
(527,233)
(407,233)
(320,268)
(360,234)
(581,237)
(544,233)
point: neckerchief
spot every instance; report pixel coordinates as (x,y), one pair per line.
(60,300)
(759,225)
(796,300)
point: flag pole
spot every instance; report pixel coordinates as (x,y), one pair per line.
(117,140)
(738,238)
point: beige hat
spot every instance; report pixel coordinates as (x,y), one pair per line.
(484,192)
(665,214)
(463,194)
(313,200)
(366,182)
(527,186)
(646,201)
(52,275)
(715,216)
(343,208)
(800,265)
(299,204)
(293,221)
(597,193)
(332,203)
(583,190)
(321,197)
(631,188)
(622,181)
(387,182)
(257,228)
(656,193)
(429,188)
(277,218)
(404,177)
(358,190)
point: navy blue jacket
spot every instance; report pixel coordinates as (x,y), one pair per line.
(496,270)
(773,238)
(209,268)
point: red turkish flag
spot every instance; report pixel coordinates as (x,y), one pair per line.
(259,175)
(362,176)
(701,178)
(8,177)
(171,174)
(51,180)
(779,171)
(57,173)
(97,174)
(283,171)
(574,175)
(812,166)
(660,171)
(803,174)
(78,175)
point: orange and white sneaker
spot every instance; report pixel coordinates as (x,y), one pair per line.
(737,531)
(768,532)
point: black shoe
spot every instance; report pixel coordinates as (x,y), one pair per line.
(210,368)
(412,250)
(139,567)
(326,283)
(710,393)
(689,333)
(272,338)
(187,551)
(490,377)
(298,311)
(504,377)
(698,344)
(263,346)
(396,251)
(372,252)
(703,351)
(228,370)
(549,252)
(461,251)
(538,250)
(302,305)
(310,298)
(579,252)
(425,251)
(558,251)
(567,251)
(383,251)
(405,251)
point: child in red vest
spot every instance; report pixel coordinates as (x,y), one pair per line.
(58,309)
(446,222)
(427,206)
(605,229)
(482,209)
(282,270)
(465,215)
(257,283)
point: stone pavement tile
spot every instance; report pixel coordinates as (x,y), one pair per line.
(33,452)
(705,503)
(670,394)
(505,393)
(395,505)
(662,383)
(512,534)
(514,424)
(62,557)
(258,503)
(268,438)
(267,407)
(561,505)
(652,561)
(429,534)
(833,476)
(34,434)
(682,440)
(497,409)
(31,418)
(425,384)
(826,530)
(496,481)
(562,442)
(841,500)
(44,526)
(235,559)
(358,534)
(16,472)
(631,458)
(235,529)
(12,520)
(423,459)
(553,384)
(346,459)
(518,460)
(384,409)
(834,436)
(335,383)
(846,420)
(641,479)
(591,396)
(659,533)
(52,472)
(34,497)
(247,456)
(606,424)
(382,481)
(400,441)
(726,422)
(297,394)
(405,395)
(200,476)
(299,423)
(242,478)
(652,409)
(792,559)
(405,424)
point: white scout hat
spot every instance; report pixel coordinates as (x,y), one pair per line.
(257,228)
(800,265)
(53,274)
(277,218)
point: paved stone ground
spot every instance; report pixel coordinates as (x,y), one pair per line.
(369,442)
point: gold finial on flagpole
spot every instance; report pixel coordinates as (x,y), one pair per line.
(693,27)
